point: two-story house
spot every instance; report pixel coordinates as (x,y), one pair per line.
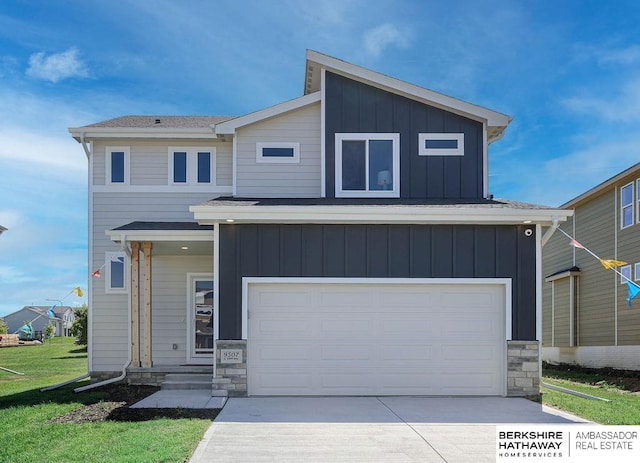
(588,318)
(341,243)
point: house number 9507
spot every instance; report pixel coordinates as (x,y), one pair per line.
(231,356)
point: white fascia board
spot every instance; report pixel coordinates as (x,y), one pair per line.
(113,132)
(493,118)
(229,127)
(160,235)
(384,214)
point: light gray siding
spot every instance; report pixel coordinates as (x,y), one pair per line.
(149,160)
(109,312)
(281,179)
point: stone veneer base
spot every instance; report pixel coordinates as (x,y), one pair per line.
(230,378)
(523,368)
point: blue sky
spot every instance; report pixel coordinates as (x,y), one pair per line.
(567,71)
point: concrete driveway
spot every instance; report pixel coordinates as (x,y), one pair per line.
(365,429)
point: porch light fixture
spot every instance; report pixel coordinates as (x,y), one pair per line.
(184,248)
(527,221)
(229,220)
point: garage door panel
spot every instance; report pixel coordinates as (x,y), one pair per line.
(395,339)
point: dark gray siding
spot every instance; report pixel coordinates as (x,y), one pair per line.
(384,251)
(355,107)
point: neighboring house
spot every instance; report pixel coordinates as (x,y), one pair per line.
(587,318)
(37,315)
(341,243)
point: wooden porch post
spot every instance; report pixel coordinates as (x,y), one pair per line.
(135,304)
(147,361)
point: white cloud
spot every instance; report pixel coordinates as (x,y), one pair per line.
(624,106)
(383,36)
(57,66)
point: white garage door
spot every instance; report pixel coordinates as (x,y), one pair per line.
(375,339)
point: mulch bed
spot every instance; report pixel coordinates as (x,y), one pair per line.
(116,407)
(627,380)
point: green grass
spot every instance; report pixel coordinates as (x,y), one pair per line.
(24,411)
(623,408)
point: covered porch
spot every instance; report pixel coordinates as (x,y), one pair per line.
(170,278)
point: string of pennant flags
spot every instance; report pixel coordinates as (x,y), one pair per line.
(96,274)
(610,264)
(27,328)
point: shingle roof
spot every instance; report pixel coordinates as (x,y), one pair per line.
(166,226)
(382,202)
(173,122)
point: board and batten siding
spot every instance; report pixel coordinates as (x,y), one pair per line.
(149,160)
(352,106)
(291,180)
(110,311)
(377,251)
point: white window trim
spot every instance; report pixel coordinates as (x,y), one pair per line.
(340,193)
(107,274)
(624,268)
(115,149)
(278,160)
(622,206)
(637,201)
(192,165)
(637,271)
(422,151)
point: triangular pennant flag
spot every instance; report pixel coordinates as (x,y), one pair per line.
(27,329)
(611,263)
(116,259)
(575,244)
(50,312)
(78,291)
(96,274)
(633,289)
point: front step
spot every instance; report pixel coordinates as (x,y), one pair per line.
(187,381)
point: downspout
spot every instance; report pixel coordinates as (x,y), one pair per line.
(549,233)
(84,145)
(123,374)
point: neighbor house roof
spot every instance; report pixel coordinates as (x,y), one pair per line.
(632,171)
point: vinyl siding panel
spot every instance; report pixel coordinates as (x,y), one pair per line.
(293,180)
(109,311)
(629,251)
(370,251)
(562,312)
(149,161)
(595,227)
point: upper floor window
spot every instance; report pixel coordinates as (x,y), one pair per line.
(278,152)
(367,164)
(191,166)
(117,159)
(625,274)
(116,281)
(441,144)
(626,205)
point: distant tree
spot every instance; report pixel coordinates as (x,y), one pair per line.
(49,330)
(4,329)
(79,327)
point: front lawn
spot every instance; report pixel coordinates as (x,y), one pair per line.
(621,388)
(93,426)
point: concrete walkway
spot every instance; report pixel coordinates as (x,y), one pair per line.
(365,429)
(181,399)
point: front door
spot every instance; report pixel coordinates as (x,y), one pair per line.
(201,319)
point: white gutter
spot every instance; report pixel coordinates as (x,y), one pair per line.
(549,233)
(84,145)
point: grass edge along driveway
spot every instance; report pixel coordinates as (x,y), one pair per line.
(27,416)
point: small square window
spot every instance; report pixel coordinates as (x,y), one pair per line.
(278,152)
(116,274)
(637,271)
(626,206)
(441,144)
(625,274)
(117,163)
